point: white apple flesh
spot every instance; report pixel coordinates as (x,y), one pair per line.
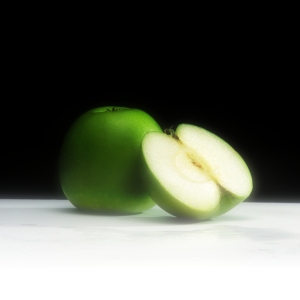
(194,173)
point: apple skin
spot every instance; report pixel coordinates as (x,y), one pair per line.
(99,163)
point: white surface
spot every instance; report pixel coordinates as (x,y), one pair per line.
(154,249)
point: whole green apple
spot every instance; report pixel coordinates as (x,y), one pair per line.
(99,164)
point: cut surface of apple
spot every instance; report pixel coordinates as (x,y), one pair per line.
(194,173)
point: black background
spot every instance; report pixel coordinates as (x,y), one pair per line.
(242,89)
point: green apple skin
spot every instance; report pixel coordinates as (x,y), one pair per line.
(99,164)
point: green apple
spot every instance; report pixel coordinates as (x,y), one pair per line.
(191,172)
(99,164)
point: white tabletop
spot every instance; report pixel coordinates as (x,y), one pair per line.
(52,235)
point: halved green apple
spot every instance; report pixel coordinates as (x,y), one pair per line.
(194,173)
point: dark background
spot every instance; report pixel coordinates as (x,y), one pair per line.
(239,85)
(267,137)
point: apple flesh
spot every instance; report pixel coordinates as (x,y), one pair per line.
(194,173)
(99,166)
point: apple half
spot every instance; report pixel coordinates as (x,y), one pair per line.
(194,173)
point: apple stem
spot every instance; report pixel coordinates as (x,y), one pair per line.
(171,132)
(112,109)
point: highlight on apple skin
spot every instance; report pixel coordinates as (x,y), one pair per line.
(193,173)
(99,164)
